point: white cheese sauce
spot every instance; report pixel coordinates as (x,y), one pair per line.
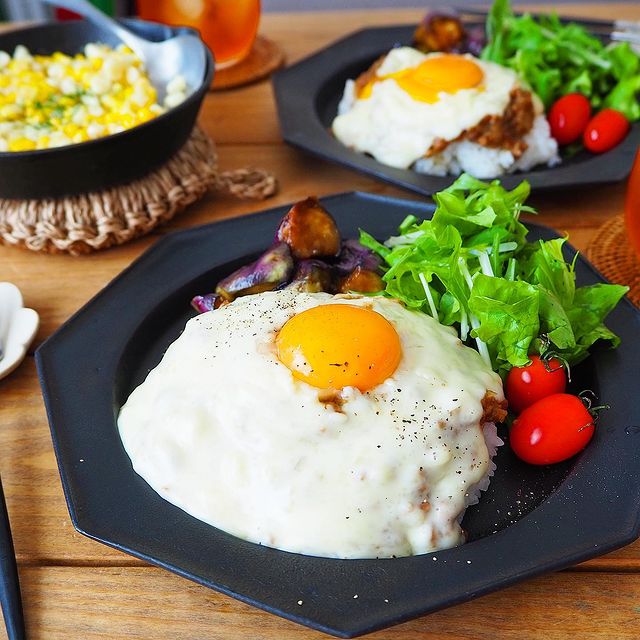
(222,429)
(397,129)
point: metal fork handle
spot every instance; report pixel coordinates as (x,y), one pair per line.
(626,36)
(86,9)
(628,26)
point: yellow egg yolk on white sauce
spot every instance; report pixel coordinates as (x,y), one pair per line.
(410,101)
(223,430)
(337,346)
(447,73)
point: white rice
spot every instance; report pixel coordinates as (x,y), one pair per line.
(485,162)
(348,98)
(493,441)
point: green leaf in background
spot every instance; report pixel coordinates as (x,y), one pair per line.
(624,98)
(545,266)
(497,24)
(554,323)
(452,210)
(508,316)
(106,6)
(367,240)
(581,83)
(590,307)
(624,61)
(473,206)
(555,58)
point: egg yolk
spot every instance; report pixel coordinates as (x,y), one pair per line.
(439,74)
(339,345)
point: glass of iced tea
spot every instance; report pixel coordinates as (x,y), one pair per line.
(228,27)
(632,206)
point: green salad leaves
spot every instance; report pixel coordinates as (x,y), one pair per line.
(557,58)
(472,266)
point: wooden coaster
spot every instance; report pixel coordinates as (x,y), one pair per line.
(87,222)
(611,254)
(264,58)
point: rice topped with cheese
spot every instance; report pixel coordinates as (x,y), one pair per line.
(441,113)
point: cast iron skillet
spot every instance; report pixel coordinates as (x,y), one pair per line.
(108,161)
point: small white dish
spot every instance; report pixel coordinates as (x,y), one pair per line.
(18,327)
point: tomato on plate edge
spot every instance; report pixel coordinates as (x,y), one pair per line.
(568,117)
(525,385)
(605,130)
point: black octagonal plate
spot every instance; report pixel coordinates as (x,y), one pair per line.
(307,96)
(531,521)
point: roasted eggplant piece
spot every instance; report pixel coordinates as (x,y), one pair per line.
(207,302)
(307,255)
(271,270)
(313,276)
(353,255)
(361,280)
(309,230)
(440,32)
(476,40)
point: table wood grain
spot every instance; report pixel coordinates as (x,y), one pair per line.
(76,588)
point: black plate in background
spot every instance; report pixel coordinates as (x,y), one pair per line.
(545,519)
(114,159)
(307,96)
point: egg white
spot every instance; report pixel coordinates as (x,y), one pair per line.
(397,129)
(223,430)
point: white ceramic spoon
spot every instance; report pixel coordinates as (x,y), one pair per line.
(181,55)
(18,327)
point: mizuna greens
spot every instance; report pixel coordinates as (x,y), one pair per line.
(472,266)
(557,58)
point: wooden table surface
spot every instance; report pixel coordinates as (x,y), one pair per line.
(76,588)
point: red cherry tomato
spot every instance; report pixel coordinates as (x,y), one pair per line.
(526,385)
(551,430)
(605,130)
(568,117)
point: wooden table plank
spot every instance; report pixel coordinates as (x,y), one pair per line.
(144,603)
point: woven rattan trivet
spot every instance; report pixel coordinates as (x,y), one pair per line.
(84,223)
(612,254)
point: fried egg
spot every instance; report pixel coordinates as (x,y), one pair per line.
(337,426)
(413,100)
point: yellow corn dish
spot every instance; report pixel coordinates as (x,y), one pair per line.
(56,100)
